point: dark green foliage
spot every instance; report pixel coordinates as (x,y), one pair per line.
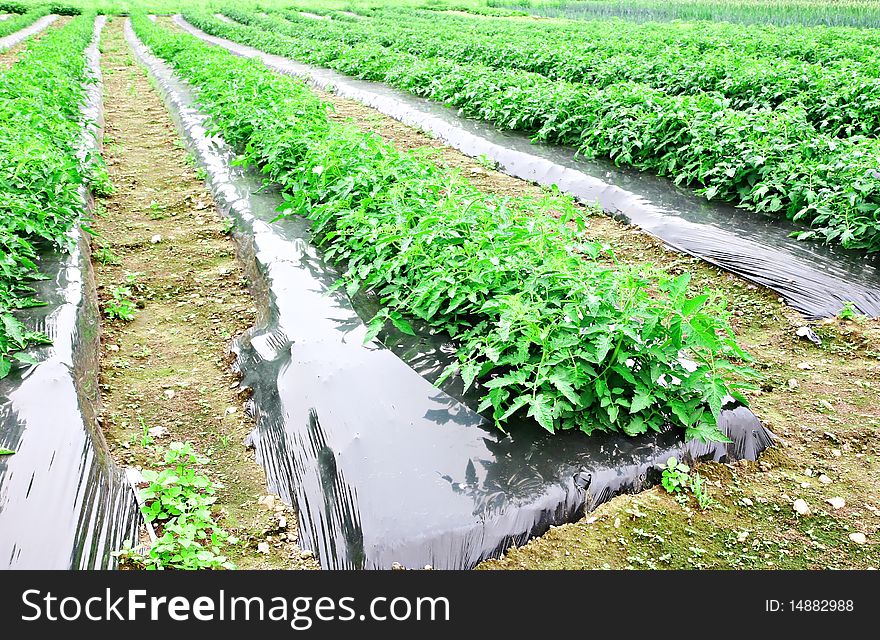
(12,7)
(544,319)
(64,10)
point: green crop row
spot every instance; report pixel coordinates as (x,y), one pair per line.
(18,21)
(543,318)
(809,44)
(769,160)
(854,13)
(841,97)
(40,128)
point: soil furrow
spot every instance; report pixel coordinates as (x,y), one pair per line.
(166,375)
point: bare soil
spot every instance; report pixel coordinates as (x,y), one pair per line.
(170,367)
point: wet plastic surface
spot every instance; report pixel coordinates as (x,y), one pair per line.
(19,36)
(383,466)
(813,278)
(63,503)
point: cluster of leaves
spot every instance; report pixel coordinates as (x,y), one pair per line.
(40,173)
(122,304)
(179,502)
(64,9)
(772,160)
(12,7)
(676,478)
(546,320)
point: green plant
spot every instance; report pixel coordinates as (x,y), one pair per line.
(487,163)
(675,476)
(131,280)
(64,10)
(12,7)
(545,321)
(178,501)
(105,256)
(783,133)
(6,452)
(704,500)
(156,210)
(21,17)
(848,312)
(40,172)
(14,338)
(146,438)
(121,306)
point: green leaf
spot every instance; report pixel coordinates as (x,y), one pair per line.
(6,452)
(693,304)
(402,325)
(469,372)
(373,329)
(25,358)
(541,409)
(561,379)
(640,402)
(515,405)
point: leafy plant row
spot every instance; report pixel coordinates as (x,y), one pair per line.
(856,13)
(769,160)
(40,127)
(20,20)
(841,97)
(815,45)
(544,319)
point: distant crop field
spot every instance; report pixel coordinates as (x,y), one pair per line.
(847,13)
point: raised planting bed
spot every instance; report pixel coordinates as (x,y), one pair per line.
(63,503)
(383,465)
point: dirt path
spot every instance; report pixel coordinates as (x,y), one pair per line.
(8,57)
(823,402)
(168,370)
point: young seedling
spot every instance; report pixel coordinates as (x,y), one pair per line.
(179,502)
(146,438)
(105,256)
(676,476)
(849,311)
(120,306)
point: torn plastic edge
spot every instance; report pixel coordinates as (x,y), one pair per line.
(817,280)
(7,42)
(104,511)
(290,452)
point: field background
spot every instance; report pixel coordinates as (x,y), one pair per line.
(859,13)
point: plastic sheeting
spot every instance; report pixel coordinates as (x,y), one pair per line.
(383,466)
(19,36)
(63,503)
(813,278)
